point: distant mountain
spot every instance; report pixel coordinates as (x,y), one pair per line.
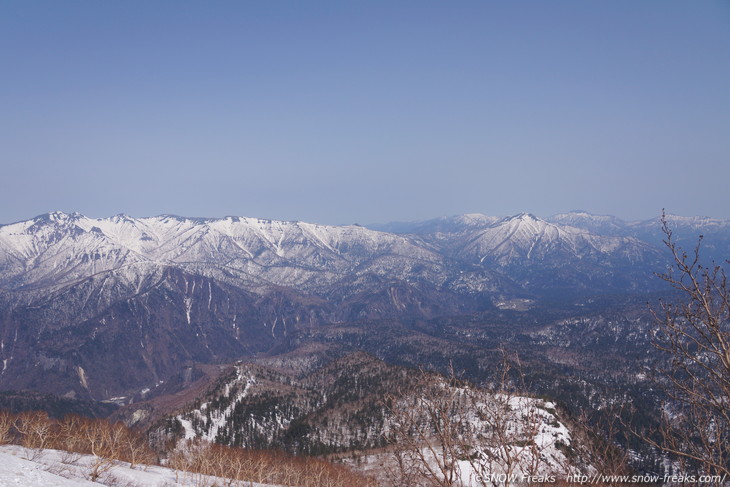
(83,298)
(686,230)
(558,258)
(446,224)
(598,224)
(525,238)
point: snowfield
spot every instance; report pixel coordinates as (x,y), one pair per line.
(23,467)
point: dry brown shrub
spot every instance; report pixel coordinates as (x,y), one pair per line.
(267,467)
(197,461)
(7,423)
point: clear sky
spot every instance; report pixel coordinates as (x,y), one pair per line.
(372,111)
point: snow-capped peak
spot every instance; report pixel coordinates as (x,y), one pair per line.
(59,217)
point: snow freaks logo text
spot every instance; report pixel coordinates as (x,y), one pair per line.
(601,479)
(503,478)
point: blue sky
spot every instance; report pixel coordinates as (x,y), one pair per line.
(343,112)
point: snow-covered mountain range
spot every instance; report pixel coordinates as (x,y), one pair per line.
(58,249)
(81,297)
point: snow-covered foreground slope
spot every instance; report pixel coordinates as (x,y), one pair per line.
(52,468)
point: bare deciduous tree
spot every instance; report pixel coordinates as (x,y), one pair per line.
(69,437)
(694,332)
(36,431)
(7,422)
(97,436)
(425,435)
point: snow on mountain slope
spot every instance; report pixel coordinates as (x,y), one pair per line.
(234,392)
(684,227)
(177,239)
(642,229)
(525,237)
(696,222)
(686,231)
(58,248)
